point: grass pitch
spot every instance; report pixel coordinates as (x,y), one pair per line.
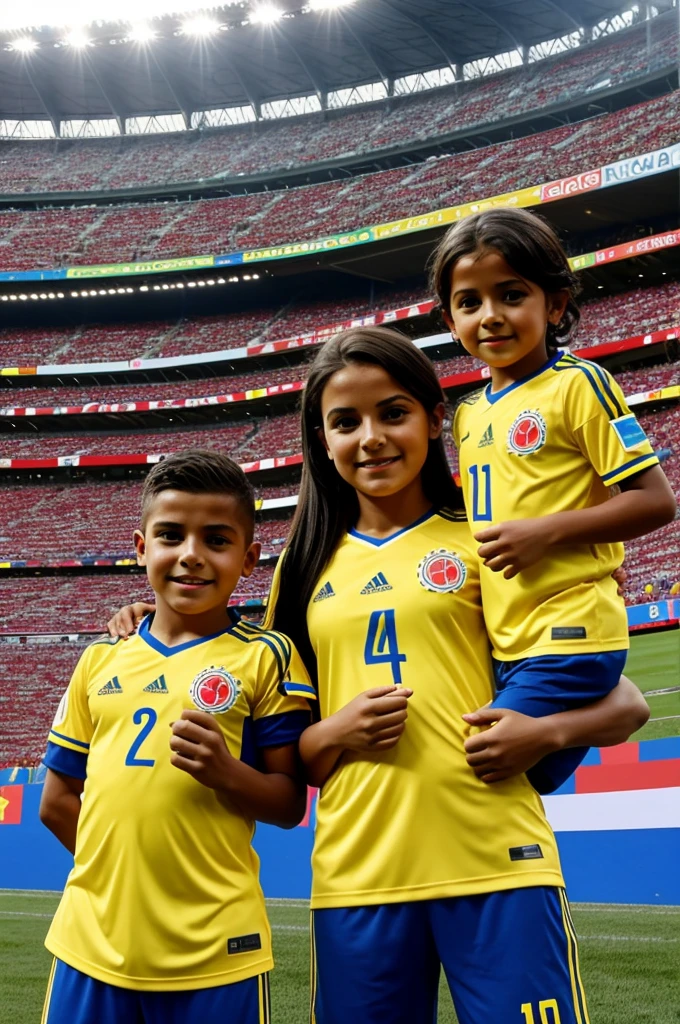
(654,665)
(629,960)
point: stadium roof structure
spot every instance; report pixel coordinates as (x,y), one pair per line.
(305,52)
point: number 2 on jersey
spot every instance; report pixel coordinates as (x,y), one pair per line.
(481,492)
(381,646)
(151,718)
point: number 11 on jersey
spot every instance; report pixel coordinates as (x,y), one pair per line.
(381,646)
(481,492)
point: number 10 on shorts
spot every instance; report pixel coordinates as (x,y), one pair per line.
(381,647)
(548,1010)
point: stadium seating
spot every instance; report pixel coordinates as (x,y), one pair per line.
(30,446)
(602,320)
(658,555)
(94,519)
(128,162)
(60,604)
(103,395)
(49,238)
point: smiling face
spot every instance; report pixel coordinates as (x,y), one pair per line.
(501,317)
(195,547)
(376,432)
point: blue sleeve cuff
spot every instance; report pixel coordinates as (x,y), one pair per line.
(65,761)
(277,730)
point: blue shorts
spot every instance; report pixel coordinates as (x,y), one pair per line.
(75,998)
(552,683)
(506,955)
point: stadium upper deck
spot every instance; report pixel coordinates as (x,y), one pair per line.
(261,148)
(49,238)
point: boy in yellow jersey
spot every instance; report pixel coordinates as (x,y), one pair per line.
(163,753)
(540,447)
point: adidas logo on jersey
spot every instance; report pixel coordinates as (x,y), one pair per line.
(113,686)
(157,686)
(487,438)
(377,584)
(326,591)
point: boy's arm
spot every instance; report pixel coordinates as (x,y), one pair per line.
(372,722)
(517,742)
(645,503)
(276,795)
(60,806)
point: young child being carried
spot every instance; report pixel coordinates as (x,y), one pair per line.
(177,741)
(540,447)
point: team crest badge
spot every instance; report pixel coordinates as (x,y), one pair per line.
(442,571)
(527,434)
(215,690)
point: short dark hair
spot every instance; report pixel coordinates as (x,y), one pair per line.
(527,243)
(200,471)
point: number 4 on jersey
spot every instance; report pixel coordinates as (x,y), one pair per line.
(381,643)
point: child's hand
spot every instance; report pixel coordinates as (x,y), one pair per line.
(198,748)
(514,545)
(509,744)
(126,620)
(372,721)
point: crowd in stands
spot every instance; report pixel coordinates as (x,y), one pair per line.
(33,680)
(19,398)
(129,162)
(612,318)
(93,519)
(81,236)
(47,446)
(71,604)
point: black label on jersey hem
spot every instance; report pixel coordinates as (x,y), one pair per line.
(568,633)
(244,943)
(532,852)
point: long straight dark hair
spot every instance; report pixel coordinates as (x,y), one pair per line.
(328,506)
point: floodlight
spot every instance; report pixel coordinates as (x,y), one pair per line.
(77,39)
(24,45)
(265,14)
(328,5)
(141,33)
(200,26)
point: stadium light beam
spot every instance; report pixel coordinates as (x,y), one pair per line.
(77,39)
(24,45)
(141,33)
(201,27)
(328,5)
(265,14)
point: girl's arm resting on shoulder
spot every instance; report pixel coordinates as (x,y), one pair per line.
(60,806)
(644,503)
(372,722)
(276,796)
(517,742)
(127,618)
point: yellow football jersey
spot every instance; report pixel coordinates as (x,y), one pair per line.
(556,440)
(414,822)
(164,893)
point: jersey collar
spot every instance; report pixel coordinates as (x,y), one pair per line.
(378,542)
(493,396)
(144,634)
